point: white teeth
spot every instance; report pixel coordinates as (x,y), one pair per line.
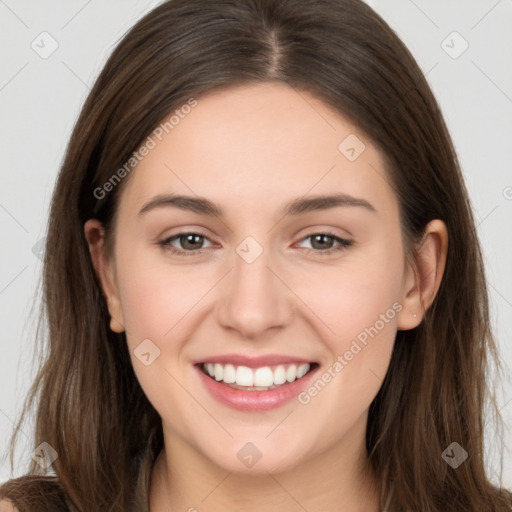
(291,373)
(280,375)
(229,376)
(244,376)
(302,370)
(263,377)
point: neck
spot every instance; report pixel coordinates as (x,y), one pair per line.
(336,480)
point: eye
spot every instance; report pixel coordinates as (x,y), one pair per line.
(322,243)
(190,242)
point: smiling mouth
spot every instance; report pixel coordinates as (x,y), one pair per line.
(264,378)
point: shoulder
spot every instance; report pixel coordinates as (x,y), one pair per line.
(7,506)
(20,494)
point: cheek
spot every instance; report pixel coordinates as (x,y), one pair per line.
(158,302)
(352,296)
(360,303)
(156,296)
(360,353)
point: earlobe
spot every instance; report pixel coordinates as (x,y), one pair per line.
(95,236)
(115,324)
(424,275)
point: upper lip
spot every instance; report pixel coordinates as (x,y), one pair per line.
(253,362)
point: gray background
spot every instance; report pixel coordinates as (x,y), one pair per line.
(40,99)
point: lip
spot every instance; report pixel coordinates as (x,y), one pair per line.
(254,401)
(253,362)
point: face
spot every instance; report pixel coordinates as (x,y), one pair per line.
(275,281)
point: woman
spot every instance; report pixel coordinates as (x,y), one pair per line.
(263,284)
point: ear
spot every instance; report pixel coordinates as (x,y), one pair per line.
(423,275)
(95,235)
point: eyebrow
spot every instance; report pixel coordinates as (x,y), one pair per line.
(298,206)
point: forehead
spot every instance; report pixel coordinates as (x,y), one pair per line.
(256,145)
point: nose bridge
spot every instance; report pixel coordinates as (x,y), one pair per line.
(254,299)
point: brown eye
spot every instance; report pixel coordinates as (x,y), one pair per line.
(189,244)
(326,243)
(191,241)
(322,241)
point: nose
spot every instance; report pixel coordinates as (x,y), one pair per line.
(255,298)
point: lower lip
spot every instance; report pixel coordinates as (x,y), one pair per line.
(254,400)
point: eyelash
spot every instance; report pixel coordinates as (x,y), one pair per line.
(343,244)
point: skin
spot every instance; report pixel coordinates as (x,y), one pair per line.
(6,506)
(250,150)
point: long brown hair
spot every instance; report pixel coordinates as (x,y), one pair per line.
(90,406)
